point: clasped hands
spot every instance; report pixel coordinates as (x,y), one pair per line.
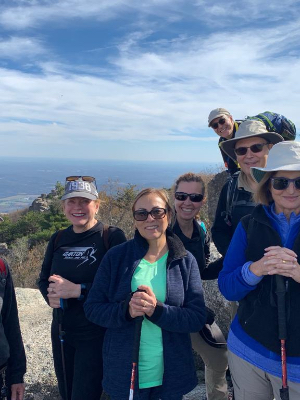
(142,302)
(61,288)
(277,260)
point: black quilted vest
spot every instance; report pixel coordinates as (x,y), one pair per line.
(257,312)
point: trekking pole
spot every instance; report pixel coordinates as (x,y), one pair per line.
(135,353)
(61,334)
(282,333)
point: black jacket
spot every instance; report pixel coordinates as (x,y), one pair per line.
(221,231)
(199,245)
(11,345)
(76,257)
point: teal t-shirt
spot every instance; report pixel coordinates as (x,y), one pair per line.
(151,361)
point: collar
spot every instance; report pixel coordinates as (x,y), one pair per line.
(243,182)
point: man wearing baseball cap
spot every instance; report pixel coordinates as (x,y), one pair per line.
(222,122)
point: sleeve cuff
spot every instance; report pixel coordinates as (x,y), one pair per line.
(249,277)
(157,312)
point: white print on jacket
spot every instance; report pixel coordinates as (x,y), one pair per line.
(80,253)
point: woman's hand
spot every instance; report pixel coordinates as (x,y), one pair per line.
(17,391)
(54,302)
(277,260)
(61,288)
(143,302)
(282,261)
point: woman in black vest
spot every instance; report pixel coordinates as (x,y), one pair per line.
(189,191)
(262,273)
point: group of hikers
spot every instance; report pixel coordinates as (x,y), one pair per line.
(127,314)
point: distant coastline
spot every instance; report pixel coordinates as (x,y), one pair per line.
(24,177)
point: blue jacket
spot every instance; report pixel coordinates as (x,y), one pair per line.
(254,332)
(183,312)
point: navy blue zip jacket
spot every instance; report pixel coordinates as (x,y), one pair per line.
(182,312)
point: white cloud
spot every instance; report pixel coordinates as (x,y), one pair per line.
(15,48)
(20,14)
(153,88)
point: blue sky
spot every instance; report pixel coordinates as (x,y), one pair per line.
(135,80)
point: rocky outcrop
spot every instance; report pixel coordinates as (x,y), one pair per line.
(40,204)
(3,249)
(213,192)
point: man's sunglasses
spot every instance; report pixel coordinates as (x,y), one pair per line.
(283,183)
(156,213)
(83,178)
(255,148)
(216,124)
(194,197)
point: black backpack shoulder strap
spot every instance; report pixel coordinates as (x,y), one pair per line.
(231,188)
(105,236)
(57,237)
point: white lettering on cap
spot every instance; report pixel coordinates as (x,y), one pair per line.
(80,186)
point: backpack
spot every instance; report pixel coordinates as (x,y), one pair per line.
(232,199)
(277,123)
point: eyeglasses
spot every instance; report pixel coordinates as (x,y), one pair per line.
(156,213)
(83,178)
(283,183)
(255,148)
(216,124)
(194,197)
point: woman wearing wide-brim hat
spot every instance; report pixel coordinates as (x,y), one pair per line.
(260,271)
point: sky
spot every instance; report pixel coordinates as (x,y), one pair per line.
(136,80)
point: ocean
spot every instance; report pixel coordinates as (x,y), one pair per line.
(24,178)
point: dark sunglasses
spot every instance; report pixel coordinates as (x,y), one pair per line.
(83,178)
(283,183)
(156,213)
(216,124)
(255,148)
(194,197)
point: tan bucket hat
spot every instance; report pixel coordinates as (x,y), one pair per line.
(249,129)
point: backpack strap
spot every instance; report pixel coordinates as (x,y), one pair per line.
(105,236)
(58,236)
(231,189)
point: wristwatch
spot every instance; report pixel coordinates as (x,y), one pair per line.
(83,292)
